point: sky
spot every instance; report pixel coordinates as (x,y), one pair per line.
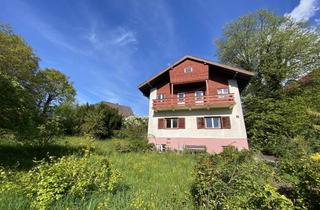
(108,47)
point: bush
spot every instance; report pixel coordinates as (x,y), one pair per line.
(236,180)
(133,127)
(101,121)
(43,134)
(274,123)
(303,180)
(67,176)
(133,145)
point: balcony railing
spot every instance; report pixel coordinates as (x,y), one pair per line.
(194,102)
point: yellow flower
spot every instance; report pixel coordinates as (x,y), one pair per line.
(315,156)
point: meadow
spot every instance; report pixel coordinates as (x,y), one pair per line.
(150,180)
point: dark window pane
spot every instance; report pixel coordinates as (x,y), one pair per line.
(168,123)
(216,122)
(208,122)
(175,123)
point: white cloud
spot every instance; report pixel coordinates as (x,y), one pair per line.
(108,39)
(305,10)
(125,37)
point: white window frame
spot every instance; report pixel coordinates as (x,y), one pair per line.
(171,122)
(188,69)
(199,99)
(181,100)
(212,122)
(223,91)
(161,97)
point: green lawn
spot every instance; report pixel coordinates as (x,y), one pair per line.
(150,180)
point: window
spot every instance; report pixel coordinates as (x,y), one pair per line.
(198,95)
(181,97)
(161,96)
(171,122)
(222,91)
(188,69)
(212,122)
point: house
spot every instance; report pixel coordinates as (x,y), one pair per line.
(125,111)
(195,103)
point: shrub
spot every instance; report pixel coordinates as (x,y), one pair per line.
(133,127)
(69,175)
(43,134)
(133,145)
(274,123)
(303,177)
(236,180)
(101,121)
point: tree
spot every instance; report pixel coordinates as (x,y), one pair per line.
(100,121)
(18,70)
(275,47)
(54,89)
(28,94)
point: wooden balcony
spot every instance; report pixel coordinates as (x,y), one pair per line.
(204,102)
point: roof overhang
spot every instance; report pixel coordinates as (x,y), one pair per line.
(145,87)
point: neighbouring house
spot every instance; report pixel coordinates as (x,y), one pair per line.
(125,111)
(195,103)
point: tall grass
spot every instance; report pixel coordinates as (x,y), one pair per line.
(150,180)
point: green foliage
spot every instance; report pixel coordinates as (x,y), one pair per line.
(133,127)
(68,176)
(236,180)
(53,89)
(100,121)
(71,116)
(48,131)
(133,145)
(149,180)
(302,175)
(28,95)
(18,70)
(273,124)
(276,48)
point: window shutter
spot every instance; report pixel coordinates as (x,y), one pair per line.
(161,122)
(226,122)
(181,123)
(200,122)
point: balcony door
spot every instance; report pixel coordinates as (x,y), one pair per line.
(198,97)
(181,98)
(223,92)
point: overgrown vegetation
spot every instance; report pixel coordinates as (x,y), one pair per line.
(279,51)
(49,182)
(143,180)
(235,180)
(281,113)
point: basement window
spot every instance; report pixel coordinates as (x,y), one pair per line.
(188,69)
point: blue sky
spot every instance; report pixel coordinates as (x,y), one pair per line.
(108,47)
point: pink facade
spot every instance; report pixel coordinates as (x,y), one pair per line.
(214,145)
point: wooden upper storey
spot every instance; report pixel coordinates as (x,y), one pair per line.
(192,73)
(189,71)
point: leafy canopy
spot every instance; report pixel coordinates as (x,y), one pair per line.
(276,48)
(54,89)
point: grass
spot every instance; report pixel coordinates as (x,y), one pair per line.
(150,180)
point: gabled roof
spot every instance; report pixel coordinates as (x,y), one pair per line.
(242,72)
